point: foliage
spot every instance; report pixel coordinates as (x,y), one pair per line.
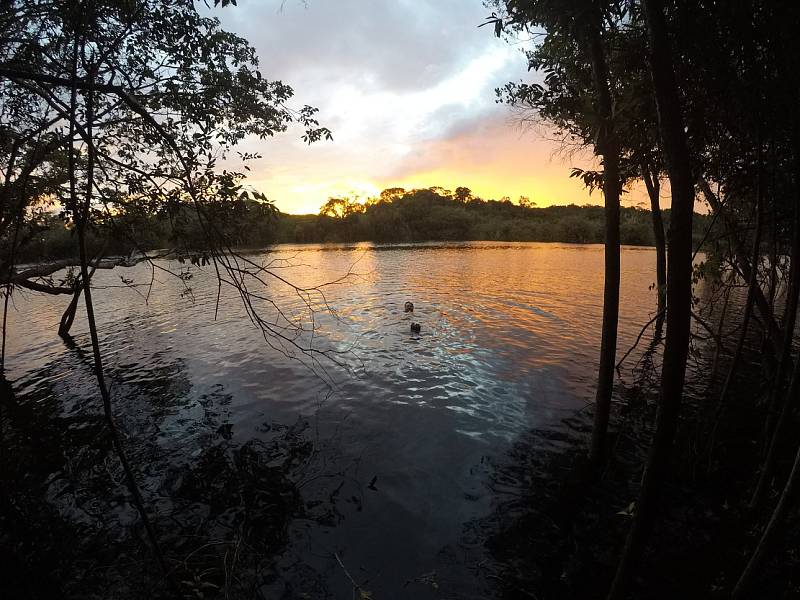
(160,95)
(715,84)
(434,214)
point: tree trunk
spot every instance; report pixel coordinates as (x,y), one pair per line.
(608,147)
(741,258)
(654,191)
(748,312)
(679,288)
(773,257)
(69,314)
(776,427)
(789,321)
(774,526)
(721,326)
(6,297)
(81,212)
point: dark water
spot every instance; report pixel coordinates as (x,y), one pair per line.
(509,343)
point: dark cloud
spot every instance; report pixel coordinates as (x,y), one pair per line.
(395,45)
(407,86)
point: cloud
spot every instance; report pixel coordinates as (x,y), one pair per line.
(396,45)
(407,87)
(494,157)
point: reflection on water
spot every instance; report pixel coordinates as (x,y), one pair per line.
(508,343)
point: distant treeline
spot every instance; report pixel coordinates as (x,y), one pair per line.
(397,215)
(435,214)
(242,222)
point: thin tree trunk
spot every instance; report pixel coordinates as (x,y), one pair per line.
(81,218)
(68,318)
(609,150)
(12,251)
(69,314)
(776,432)
(774,526)
(769,356)
(773,257)
(789,322)
(748,312)
(741,258)
(7,298)
(654,192)
(679,289)
(720,326)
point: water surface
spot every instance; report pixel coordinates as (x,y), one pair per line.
(509,343)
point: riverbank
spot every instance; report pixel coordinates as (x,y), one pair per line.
(559,526)
(427,217)
(418,216)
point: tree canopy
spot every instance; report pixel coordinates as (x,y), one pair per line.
(155,94)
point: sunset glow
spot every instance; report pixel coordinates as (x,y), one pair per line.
(410,104)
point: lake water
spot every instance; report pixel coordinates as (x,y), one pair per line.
(509,342)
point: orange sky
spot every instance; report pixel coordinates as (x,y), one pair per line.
(407,88)
(495,159)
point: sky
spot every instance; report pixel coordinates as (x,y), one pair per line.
(407,88)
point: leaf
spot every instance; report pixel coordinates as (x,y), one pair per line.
(629,511)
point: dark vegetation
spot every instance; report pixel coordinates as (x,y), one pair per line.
(433,214)
(223,513)
(113,113)
(558,529)
(701,94)
(436,214)
(245,223)
(113,119)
